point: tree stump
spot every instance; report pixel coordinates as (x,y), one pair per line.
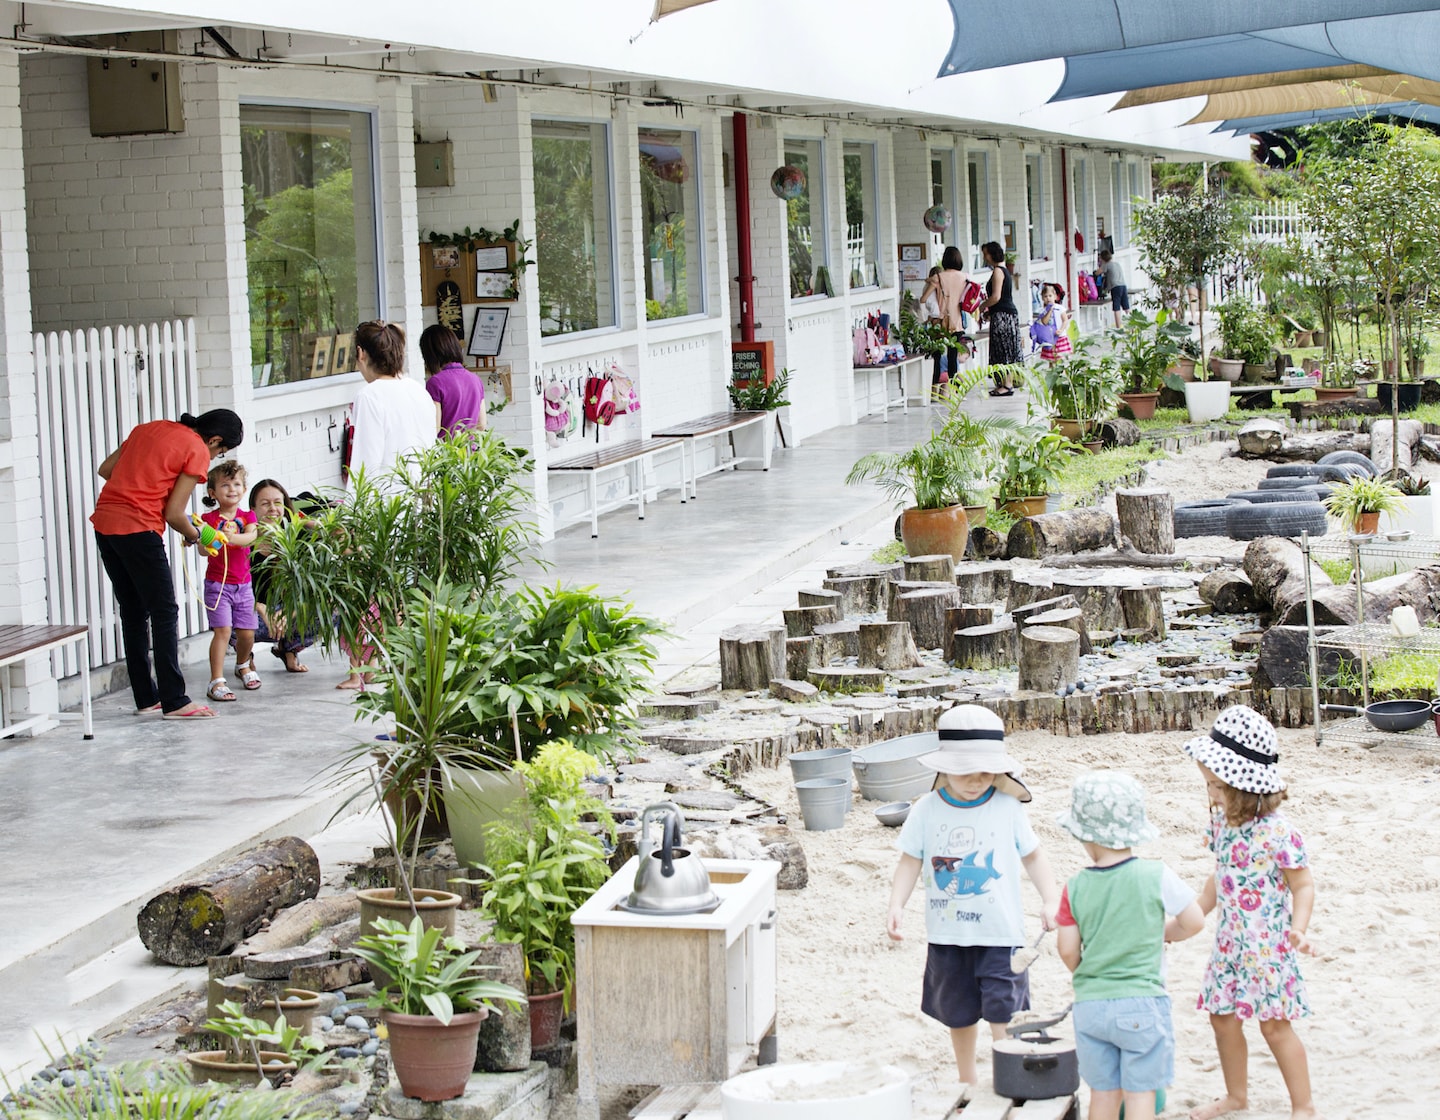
(1029,587)
(1276,569)
(1049,658)
(925,611)
(1411,433)
(1071,530)
(982,581)
(867,568)
(1147,520)
(859,594)
(965,616)
(1144,609)
(901,587)
(838,639)
(986,544)
(888,645)
(801,621)
(1120,433)
(1098,597)
(1229,592)
(1021,615)
(812,597)
(939,568)
(845,679)
(1260,438)
(504,1043)
(983,647)
(1067,618)
(801,655)
(751,656)
(186,924)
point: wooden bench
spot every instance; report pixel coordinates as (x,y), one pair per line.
(712,427)
(19,642)
(633,456)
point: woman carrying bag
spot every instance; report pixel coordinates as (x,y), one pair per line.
(949,289)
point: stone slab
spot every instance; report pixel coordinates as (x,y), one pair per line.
(524,1095)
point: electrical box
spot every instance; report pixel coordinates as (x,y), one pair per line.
(130,96)
(434,164)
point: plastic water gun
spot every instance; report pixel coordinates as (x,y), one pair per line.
(212,540)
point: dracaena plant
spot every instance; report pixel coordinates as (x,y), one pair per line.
(432,973)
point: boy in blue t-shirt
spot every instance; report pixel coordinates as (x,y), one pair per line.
(1115,918)
(970,838)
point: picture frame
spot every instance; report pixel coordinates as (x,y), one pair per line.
(316,348)
(1009,236)
(487,332)
(492,286)
(342,353)
(436,268)
(914,252)
(493,271)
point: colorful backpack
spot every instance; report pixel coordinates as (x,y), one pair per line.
(972,297)
(599,399)
(627,399)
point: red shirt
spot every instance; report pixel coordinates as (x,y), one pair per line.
(232,563)
(152,459)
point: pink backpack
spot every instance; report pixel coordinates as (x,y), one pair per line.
(627,399)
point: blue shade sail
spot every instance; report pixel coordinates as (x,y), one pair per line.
(1408,110)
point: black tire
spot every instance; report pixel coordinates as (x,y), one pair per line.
(1288,482)
(1292,470)
(1203,519)
(1276,519)
(1354,457)
(1340,472)
(1269,497)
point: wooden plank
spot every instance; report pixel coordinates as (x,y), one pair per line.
(985,1105)
(669,1102)
(1056,1108)
(713,424)
(612,456)
(708,1107)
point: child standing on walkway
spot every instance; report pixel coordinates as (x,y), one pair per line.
(1115,918)
(1265,892)
(970,838)
(229,598)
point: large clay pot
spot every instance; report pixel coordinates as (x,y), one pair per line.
(976,515)
(433,1060)
(547,1012)
(1071,429)
(1183,368)
(1025,507)
(220,1066)
(474,799)
(1368,523)
(435,908)
(930,532)
(1228,368)
(1416,366)
(299,1013)
(1142,405)
(1304,339)
(1334,393)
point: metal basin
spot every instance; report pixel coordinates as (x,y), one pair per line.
(888,771)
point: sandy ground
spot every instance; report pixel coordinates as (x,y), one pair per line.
(1372,825)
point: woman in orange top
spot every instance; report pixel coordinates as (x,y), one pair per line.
(148,483)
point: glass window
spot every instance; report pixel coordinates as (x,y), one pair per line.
(672,226)
(805,221)
(1082,203)
(977,174)
(574,234)
(310,239)
(1035,203)
(862,234)
(942,193)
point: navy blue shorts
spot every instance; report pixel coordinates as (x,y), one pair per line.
(1120,298)
(967,983)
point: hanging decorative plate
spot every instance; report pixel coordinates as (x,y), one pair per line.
(936,219)
(788,182)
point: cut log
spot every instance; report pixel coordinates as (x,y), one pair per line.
(982,581)
(925,611)
(1285,659)
(297,924)
(795,692)
(884,571)
(901,587)
(1067,618)
(965,616)
(801,654)
(1021,615)
(813,597)
(1120,433)
(1070,530)
(986,544)
(1129,558)
(185,924)
(1147,520)
(984,647)
(1098,595)
(1412,435)
(845,679)
(751,656)
(1310,446)
(1029,587)
(859,594)
(1229,592)
(800,622)
(838,639)
(888,645)
(1144,609)
(937,569)
(1049,658)
(1335,606)
(1275,567)
(504,1043)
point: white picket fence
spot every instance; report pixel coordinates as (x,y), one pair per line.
(94,386)
(1277,220)
(857,253)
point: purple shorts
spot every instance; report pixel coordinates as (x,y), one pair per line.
(230,604)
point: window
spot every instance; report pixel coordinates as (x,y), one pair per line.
(574,233)
(1082,203)
(977,174)
(671,224)
(310,238)
(942,193)
(1035,204)
(862,234)
(805,219)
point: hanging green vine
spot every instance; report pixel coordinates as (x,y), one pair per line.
(471,239)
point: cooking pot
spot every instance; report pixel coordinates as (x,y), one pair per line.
(1030,1064)
(1388,715)
(669,879)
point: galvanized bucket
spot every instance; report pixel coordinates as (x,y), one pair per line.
(832,762)
(889,771)
(823,802)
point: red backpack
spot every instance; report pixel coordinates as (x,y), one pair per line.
(972,297)
(599,399)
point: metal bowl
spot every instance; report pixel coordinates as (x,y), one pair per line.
(893,815)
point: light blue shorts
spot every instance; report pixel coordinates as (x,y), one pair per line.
(1125,1044)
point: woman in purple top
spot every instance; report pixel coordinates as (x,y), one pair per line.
(459,393)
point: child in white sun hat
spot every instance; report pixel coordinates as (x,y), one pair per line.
(1115,917)
(1265,894)
(970,838)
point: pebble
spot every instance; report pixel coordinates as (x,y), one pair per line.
(369,1048)
(323,1022)
(347,1052)
(349,1108)
(275,1062)
(292,999)
(356,1023)
(67,1078)
(49,1073)
(339,996)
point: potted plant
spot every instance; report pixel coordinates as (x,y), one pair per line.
(935,478)
(756,442)
(1359,503)
(433,1008)
(1206,398)
(1337,382)
(1082,390)
(1030,463)
(1247,335)
(1183,367)
(1146,348)
(1183,238)
(243,1061)
(1416,347)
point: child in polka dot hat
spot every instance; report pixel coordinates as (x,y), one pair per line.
(1264,891)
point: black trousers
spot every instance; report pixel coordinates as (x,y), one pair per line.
(952,354)
(139,571)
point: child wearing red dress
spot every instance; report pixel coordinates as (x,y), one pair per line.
(229,597)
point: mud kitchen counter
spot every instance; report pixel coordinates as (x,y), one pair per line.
(663,998)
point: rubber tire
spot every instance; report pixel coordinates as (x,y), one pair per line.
(1340,472)
(1353,457)
(1204,518)
(1292,470)
(1276,519)
(1270,497)
(1289,482)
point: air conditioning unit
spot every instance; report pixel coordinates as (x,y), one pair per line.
(131,96)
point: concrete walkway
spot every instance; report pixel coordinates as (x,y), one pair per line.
(95,829)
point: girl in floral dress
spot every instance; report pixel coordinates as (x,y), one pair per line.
(1265,893)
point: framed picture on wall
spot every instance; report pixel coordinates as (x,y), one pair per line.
(487,332)
(342,353)
(315,352)
(914,263)
(1009,237)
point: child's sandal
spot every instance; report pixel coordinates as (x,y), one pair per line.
(249,675)
(219,691)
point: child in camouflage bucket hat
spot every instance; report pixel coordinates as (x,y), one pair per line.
(1115,918)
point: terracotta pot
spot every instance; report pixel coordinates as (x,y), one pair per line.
(1094,446)
(1367,523)
(547,1012)
(1256,374)
(405,808)
(1336,393)
(1142,405)
(1388,367)
(1025,507)
(436,910)
(1304,339)
(930,532)
(1416,366)
(1184,369)
(299,1013)
(1070,429)
(1228,368)
(433,1060)
(218,1065)
(976,515)
(1318,338)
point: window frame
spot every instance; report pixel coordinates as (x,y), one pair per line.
(1040,234)
(980,227)
(824,223)
(948,199)
(702,234)
(872,212)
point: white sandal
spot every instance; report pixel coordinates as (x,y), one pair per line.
(219,691)
(248,675)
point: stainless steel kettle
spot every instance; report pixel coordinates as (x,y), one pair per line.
(670,879)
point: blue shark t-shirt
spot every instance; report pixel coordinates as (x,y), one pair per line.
(970,865)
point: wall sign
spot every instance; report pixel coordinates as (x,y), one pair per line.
(487,332)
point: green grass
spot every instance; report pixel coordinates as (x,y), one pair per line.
(1339,571)
(889,553)
(1405,672)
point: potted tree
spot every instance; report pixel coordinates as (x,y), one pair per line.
(1338,382)
(756,442)
(1030,463)
(1183,238)
(1082,391)
(936,478)
(433,1008)
(1146,348)
(1247,336)
(1358,504)
(1183,367)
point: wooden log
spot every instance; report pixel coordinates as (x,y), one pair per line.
(1029,587)
(1021,615)
(1335,606)
(1228,591)
(821,597)
(925,611)
(1097,594)
(1070,530)
(504,1043)
(966,615)
(1120,433)
(888,645)
(1284,660)
(847,679)
(866,568)
(937,569)
(186,924)
(982,581)
(1275,567)
(794,692)
(984,647)
(901,587)
(838,639)
(751,656)
(296,924)
(859,594)
(1412,435)
(801,654)
(986,543)
(1144,609)
(801,621)
(1067,618)
(1049,658)
(1147,520)
(1129,558)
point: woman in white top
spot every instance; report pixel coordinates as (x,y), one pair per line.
(393,414)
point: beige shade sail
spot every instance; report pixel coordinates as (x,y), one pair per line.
(670,7)
(1279,100)
(1153,95)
